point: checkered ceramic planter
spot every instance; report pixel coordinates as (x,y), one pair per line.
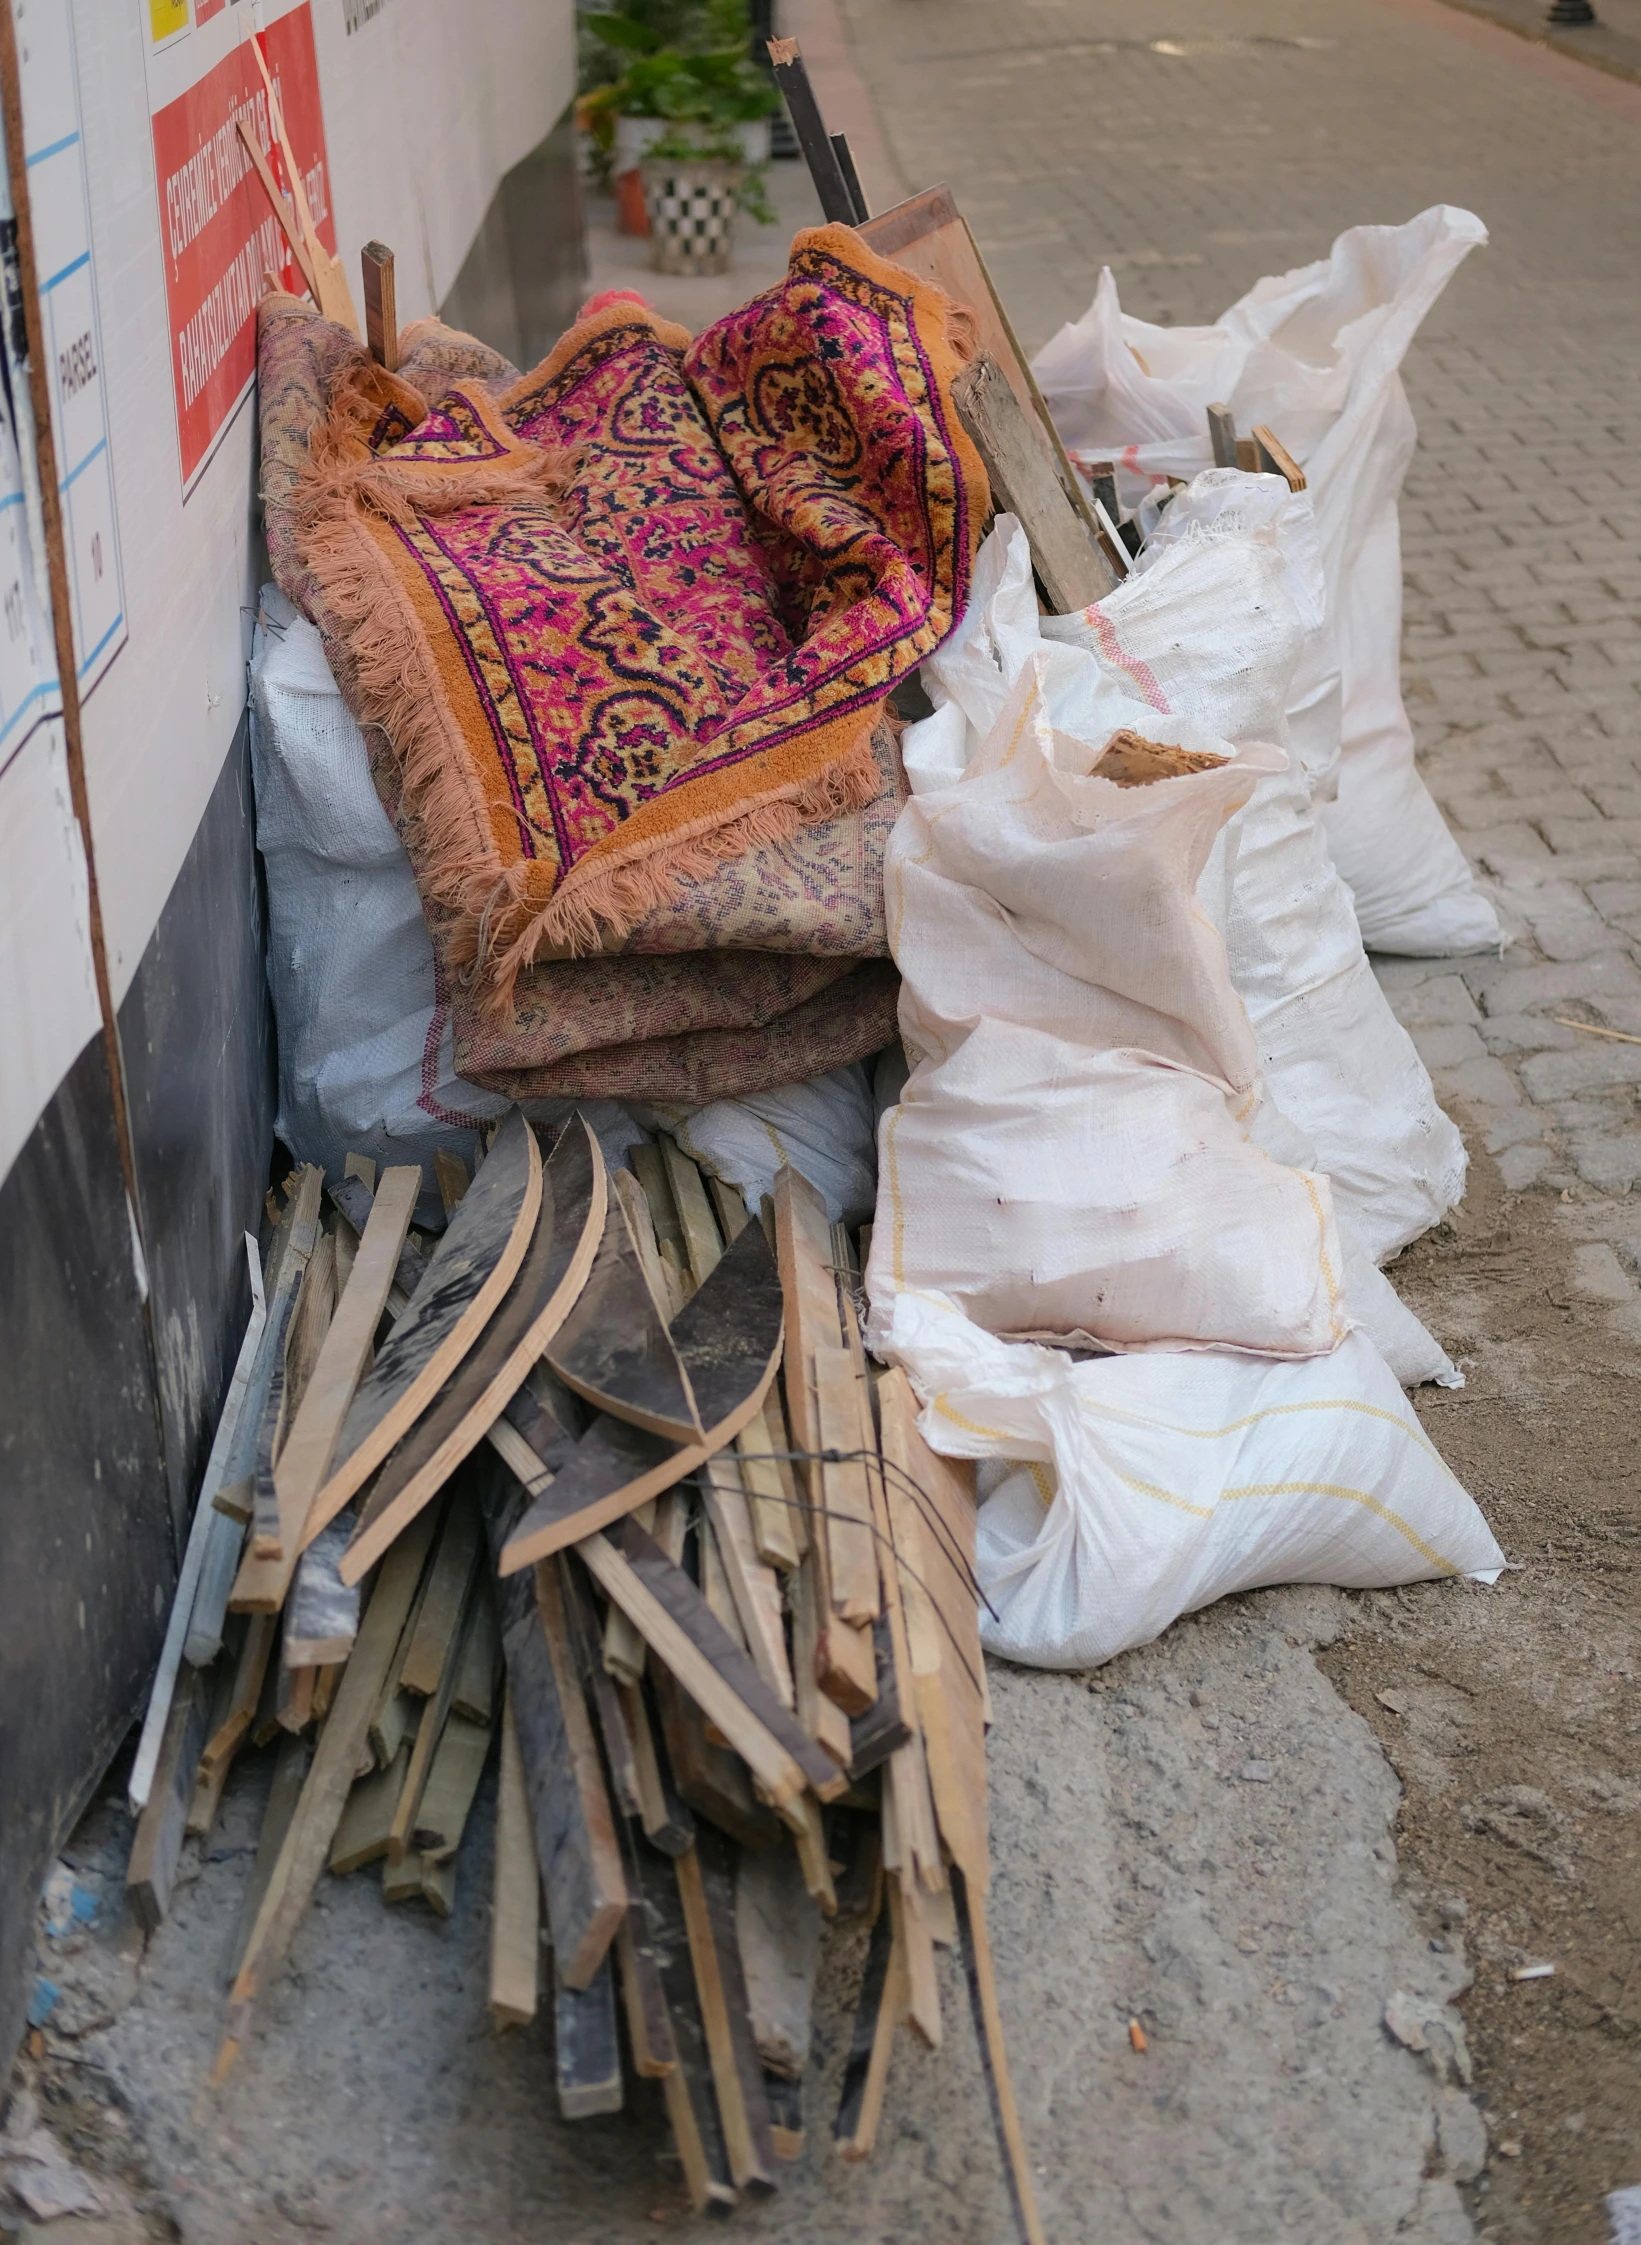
(692,214)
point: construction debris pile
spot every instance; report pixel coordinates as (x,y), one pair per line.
(604,1478)
(738,703)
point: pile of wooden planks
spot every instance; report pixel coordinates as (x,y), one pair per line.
(600,1479)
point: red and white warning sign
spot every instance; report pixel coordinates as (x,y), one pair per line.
(217,233)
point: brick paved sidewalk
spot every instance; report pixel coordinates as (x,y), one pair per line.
(1194,145)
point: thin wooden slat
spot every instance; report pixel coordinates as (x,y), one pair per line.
(609,1716)
(649,2029)
(714,1583)
(334,298)
(210,1778)
(329,1780)
(846,1664)
(767,1478)
(728,1338)
(586,1826)
(316,1306)
(1275,458)
(366,1823)
(703,1243)
(709,1776)
(290,1773)
(848,1524)
(549,1280)
(636,1208)
(382,338)
(515,1920)
(1222,435)
(281,209)
(667,1822)
(293,1703)
(988,2021)
(475,1695)
(465,1281)
(752,1585)
(706,1889)
(879,2011)
(588,2047)
(730,1209)
(819,1714)
(158,1842)
(444,1600)
(837,203)
(614,1349)
(885,1727)
(778,1931)
(250,1666)
(803,1246)
(296,1251)
(915,1940)
(650,1169)
(692,2106)
(447,1797)
(430,1731)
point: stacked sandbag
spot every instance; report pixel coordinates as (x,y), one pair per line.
(1314,355)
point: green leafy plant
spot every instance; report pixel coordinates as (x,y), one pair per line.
(683,60)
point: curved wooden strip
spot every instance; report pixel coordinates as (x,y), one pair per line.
(466,1277)
(613,1348)
(728,1337)
(574,1192)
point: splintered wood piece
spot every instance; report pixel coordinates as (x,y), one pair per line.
(1222,435)
(581,1624)
(885,1727)
(1069,565)
(330,1399)
(465,1280)
(880,2010)
(636,1208)
(366,1823)
(778,1930)
(728,1338)
(294,1701)
(382,335)
(803,1246)
(915,1940)
(714,1583)
(819,1714)
(650,1169)
(1275,458)
(336,1760)
(667,1822)
(772,1491)
(424,1749)
(692,2106)
(804,1821)
(444,1600)
(295,1247)
(614,1349)
(988,2024)
(709,1776)
(786,2131)
(261,1633)
(560,1255)
(333,297)
(322,1612)
(316,1306)
(281,209)
(351,1196)
(702,1242)
(706,1889)
(731,1210)
(678,1626)
(575,1828)
(753,1587)
(846,1664)
(515,1920)
(210,1778)
(588,2047)
(846,1496)
(447,1797)
(290,1770)
(475,1695)
(932,1510)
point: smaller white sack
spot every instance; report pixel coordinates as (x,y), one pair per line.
(1156,1484)
(1070,1152)
(825,1129)
(366,1061)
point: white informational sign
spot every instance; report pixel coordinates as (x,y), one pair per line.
(59,206)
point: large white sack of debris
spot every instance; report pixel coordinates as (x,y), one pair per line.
(1204,625)
(1070,1155)
(1122,1492)
(1313,354)
(824,1128)
(365,1051)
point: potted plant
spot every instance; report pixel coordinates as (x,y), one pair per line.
(700,103)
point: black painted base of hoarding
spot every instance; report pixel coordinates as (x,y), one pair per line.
(99,1460)
(522,281)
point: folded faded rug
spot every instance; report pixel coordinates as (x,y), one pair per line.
(636,614)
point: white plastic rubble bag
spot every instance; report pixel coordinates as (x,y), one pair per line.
(1070,1155)
(1203,623)
(825,1128)
(1314,354)
(1144,1487)
(366,1063)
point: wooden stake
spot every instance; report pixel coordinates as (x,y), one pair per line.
(515,1923)
(382,335)
(1070,567)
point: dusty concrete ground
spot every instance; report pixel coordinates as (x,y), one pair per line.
(1454,1774)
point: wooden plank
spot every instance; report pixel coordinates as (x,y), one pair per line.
(363,1167)
(609,1717)
(667,1822)
(879,2011)
(515,1917)
(430,1732)
(753,1586)
(447,1797)
(851,177)
(333,295)
(915,1941)
(728,1338)
(845,1495)
(465,1281)
(568,1228)
(306,1455)
(1275,458)
(1222,435)
(581,1943)
(310,1322)
(200,1537)
(366,1823)
(158,1842)
(718,1676)
(250,1666)
(649,2030)
(336,1760)
(885,1727)
(290,1771)
(714,1583)
(636,1208)
(819,1714)
(803,1247)
(1070,568)
(322,1611)
(382,336)
(807,1826)
(692,2106)
(588,2047)
(703,1244)
(444,1600)
(988,2022)
(708,1776)
(731,1210)
(778,1932)
(211,1777)
(772,1490)
(846,1664)
(299,1244)
(475,1695)
(706,1889)
(650,1169)
(837,204)
(614,1349)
